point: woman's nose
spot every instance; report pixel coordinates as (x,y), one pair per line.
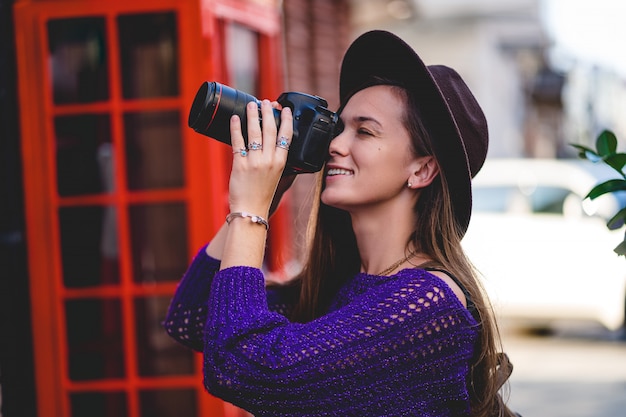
(338,146)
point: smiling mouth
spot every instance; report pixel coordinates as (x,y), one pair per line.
(338,171)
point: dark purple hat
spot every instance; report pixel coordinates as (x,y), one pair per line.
(450,112)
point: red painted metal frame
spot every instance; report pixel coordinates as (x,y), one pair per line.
(200,58)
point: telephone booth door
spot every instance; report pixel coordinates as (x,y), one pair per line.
(120,194)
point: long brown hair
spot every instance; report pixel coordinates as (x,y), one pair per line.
(333,258)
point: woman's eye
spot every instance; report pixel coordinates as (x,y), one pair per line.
(338,128)
(364,132)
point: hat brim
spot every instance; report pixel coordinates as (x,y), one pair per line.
(383,54)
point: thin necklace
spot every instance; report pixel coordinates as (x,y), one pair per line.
(396,264)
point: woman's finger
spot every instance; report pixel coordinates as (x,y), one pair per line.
(236,138)
(285,133)
(268,125)
(255,138)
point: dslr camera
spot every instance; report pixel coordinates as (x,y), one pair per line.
(313,123)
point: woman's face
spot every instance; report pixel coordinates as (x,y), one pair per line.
(371,160)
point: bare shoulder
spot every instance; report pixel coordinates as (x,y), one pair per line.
(452,284)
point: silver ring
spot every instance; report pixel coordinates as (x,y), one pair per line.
(242,152)
(282,142)
(256,146)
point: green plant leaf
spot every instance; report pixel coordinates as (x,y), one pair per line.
(606,151)
(617,161)
(618,220)
(621,248)
(609,186)
(606,144)
(587,153)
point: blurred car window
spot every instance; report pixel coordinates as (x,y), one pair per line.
(549,199)
(502,199)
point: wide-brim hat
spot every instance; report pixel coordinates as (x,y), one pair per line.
(450,112)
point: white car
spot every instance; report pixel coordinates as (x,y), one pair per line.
(546,254)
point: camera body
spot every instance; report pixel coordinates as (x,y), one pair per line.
(313,123)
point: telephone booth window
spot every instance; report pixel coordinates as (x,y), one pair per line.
(96,404)
(78,60)
(83,156)
(94,339)
(89,246)
(156,356)
(149,53)
(168,403)
(243,58)
(158,241)
(153,150)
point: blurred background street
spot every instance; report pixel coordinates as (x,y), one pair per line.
(578,370)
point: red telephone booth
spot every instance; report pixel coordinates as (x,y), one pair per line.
(119,193)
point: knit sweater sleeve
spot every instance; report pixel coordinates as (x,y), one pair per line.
(187,312)
(401,347)
(186,315)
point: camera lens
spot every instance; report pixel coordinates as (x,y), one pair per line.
(213,107)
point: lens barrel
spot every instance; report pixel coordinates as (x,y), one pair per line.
(213,107)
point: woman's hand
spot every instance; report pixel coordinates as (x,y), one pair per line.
(253,184)
(253,180)
(257,170)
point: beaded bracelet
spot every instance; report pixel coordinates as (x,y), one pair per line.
(253,218)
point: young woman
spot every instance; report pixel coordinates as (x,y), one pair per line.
(387,317)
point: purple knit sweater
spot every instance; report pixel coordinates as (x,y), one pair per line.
(388,346)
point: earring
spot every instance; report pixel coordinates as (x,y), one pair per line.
(409,184)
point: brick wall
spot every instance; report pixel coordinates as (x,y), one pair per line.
(316,36)
(317,33)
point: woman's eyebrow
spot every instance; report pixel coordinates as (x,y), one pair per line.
(362,119)
(368,119)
